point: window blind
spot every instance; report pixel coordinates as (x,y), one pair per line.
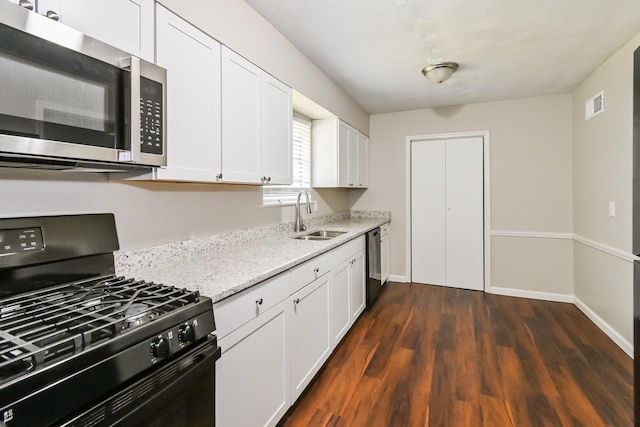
(287,194)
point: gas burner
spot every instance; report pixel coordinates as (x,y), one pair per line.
(138,314)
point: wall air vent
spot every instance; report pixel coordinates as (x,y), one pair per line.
(594,106)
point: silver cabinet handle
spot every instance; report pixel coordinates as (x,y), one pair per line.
(316,270)
(296,301)
(55,17)
(219,176)
(259,301)
(26,4)
(269,179)
(351,184)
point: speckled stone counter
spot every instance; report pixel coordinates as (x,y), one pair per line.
(220,266)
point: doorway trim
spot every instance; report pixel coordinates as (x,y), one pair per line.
(486,139)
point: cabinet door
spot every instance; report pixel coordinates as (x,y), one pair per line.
(340,307)
(343,154)
(192,60)
(352,156)
(125,24)
(276,116)
(357,284)
(252,376)
(384,257)
(310,336)
(363,161)
(240,135)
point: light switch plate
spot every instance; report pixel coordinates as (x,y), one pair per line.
(612,208)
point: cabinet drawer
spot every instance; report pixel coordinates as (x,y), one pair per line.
(348,249)
(235,311)
(306,273)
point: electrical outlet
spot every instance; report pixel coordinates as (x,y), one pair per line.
(612,208)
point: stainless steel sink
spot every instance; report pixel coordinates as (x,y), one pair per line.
(312,238)
(320,235)
(327,233)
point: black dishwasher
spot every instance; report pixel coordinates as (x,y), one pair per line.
(374,282)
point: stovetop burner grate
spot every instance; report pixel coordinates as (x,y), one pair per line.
(48,325)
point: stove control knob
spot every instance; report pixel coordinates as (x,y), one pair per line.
(187,333)
(161,347)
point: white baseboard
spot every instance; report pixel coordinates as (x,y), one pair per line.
(622,342)
(397,278)
(546,296)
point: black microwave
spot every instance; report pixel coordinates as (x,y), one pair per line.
(69,101)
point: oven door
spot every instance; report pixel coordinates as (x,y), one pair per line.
(181,393)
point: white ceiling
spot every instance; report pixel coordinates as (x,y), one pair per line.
(375,49)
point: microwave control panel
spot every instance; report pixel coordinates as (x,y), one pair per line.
(151,117)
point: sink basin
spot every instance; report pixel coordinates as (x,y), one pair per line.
(326,233)
(320,235)
(313,238)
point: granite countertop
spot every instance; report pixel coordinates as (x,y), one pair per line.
(223,265)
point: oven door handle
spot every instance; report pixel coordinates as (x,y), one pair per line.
(132,63)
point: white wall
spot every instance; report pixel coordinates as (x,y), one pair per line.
(150,214)
(531,189)
(602,172)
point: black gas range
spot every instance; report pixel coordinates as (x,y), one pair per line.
(80,346)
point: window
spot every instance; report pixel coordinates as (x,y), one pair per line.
(280,195)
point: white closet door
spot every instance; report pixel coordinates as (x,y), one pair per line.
(464,221)
(447,212)
(428,212)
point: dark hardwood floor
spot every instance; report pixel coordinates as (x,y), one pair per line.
(434,356)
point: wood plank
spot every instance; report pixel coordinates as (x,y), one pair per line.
(439,357)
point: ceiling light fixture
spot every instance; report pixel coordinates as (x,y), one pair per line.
(439,72)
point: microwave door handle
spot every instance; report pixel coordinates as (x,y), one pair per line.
(132,63)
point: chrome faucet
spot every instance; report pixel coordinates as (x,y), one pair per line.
(299,224)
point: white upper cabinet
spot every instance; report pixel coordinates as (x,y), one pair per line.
(275,124)
(339,155)
(256,124)
(192,60)
(240,88)
(342,151)
(125,24)
(362,180)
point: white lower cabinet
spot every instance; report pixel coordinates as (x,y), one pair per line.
(276,335)
(340,307)
(357,285)
(384,253)
(310,338)
(252,376)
